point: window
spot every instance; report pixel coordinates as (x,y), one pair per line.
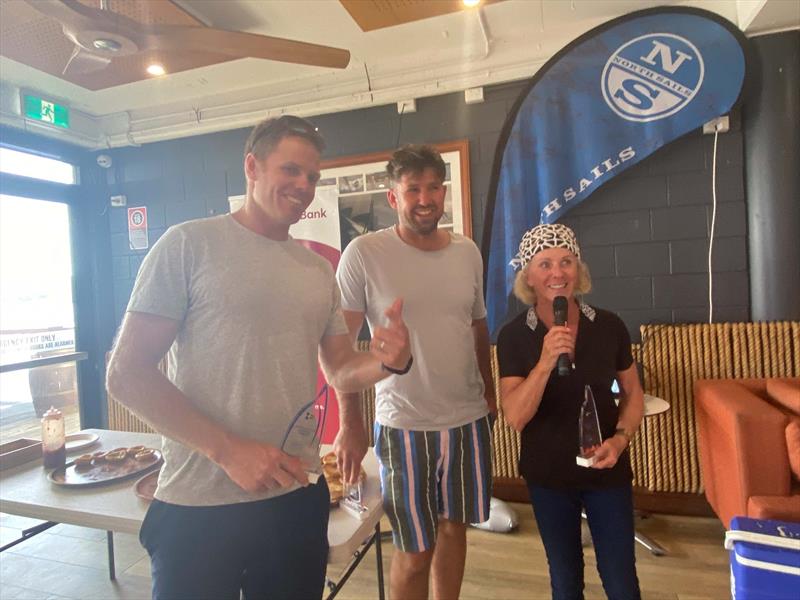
(34,166)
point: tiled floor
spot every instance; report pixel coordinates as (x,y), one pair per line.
(70,562)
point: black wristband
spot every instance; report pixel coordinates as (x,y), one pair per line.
(402,371)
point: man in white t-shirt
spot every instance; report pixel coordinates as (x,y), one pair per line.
(432,430)
(244,311)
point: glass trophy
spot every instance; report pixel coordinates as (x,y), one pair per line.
(304,435)
(353,501)
(589,437)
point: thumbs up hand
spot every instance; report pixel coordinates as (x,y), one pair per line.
(391,345)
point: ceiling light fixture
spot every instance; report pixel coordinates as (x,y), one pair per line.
(471,2)
(156,69)
(107,45)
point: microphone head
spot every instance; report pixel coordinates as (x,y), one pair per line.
(560,310)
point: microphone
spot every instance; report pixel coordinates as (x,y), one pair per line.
(560,318)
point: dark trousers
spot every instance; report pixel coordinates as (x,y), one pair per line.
(610,516)
(276,548)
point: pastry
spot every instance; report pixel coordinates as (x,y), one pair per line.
(336,490)
(84,461)
(145,454)
(116,456)
(134,450)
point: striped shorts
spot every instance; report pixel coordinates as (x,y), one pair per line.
(427,475)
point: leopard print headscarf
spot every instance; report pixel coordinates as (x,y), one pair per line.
(542,237)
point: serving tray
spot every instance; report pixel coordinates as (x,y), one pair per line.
(103,472)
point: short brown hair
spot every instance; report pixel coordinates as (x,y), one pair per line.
(267,134)
(415,158)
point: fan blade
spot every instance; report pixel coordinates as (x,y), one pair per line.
(71,13)
(82,61)
(76,17)
(240,45)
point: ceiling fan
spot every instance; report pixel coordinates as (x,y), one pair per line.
(101,35)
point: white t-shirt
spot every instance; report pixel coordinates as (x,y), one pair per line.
(252,314)
(442,292)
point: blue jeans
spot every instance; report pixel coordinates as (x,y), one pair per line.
(275,548)
(610,516)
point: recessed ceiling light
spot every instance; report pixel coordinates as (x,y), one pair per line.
(471,2)
(156,69)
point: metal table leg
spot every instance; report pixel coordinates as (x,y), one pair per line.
(645,541)
(379,557)
(29,533)
(358,556)
(112,575)
(651,545)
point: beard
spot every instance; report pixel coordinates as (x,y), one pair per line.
(422,226)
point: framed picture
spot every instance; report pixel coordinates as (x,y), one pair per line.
(360,184)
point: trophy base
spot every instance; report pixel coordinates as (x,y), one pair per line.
(585,461)
(356,509)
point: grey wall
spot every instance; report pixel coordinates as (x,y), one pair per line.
(644,234)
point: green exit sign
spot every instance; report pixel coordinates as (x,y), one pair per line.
(45,111)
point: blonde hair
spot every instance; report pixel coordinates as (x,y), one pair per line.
(527,295)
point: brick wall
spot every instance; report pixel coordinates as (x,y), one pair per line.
(644,234)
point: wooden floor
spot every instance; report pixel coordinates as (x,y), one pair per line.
(513,566)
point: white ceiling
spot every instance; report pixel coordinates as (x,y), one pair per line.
(500,42)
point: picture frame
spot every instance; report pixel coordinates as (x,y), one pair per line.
(360,182)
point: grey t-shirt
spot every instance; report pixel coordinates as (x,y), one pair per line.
(443,293)
(252,312)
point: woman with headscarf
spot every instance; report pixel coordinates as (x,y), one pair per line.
(546,408)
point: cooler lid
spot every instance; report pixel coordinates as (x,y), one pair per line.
(764,543)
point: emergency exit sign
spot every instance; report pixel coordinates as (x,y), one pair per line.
(46,111)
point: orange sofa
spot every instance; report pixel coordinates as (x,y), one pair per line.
(749,441)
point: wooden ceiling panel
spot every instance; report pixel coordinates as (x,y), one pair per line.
(38,41)
(377,14)
(30,38)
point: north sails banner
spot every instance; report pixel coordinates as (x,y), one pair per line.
(602,104)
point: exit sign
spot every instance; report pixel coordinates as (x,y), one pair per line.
(45,111)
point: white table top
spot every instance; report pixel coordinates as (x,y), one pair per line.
(26,491)
(653,405)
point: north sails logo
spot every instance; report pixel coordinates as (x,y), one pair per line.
(652,77)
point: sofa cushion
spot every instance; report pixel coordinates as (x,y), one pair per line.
(793,446)
(782,508)
(785,393)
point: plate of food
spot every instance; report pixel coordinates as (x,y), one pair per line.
(106,467)
(78,441)
(145,488)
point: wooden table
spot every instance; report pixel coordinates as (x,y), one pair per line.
(26,491)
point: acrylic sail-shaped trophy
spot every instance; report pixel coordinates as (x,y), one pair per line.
(304,435)
(589,437)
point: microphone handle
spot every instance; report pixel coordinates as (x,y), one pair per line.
(564,366)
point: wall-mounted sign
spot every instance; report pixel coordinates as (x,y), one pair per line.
(46,111)
(137,228)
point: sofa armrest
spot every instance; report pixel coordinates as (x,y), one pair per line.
(742,446)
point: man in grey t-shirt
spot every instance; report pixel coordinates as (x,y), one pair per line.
(432,430)
(244,311)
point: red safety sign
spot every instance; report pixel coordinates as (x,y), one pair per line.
(137,228)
